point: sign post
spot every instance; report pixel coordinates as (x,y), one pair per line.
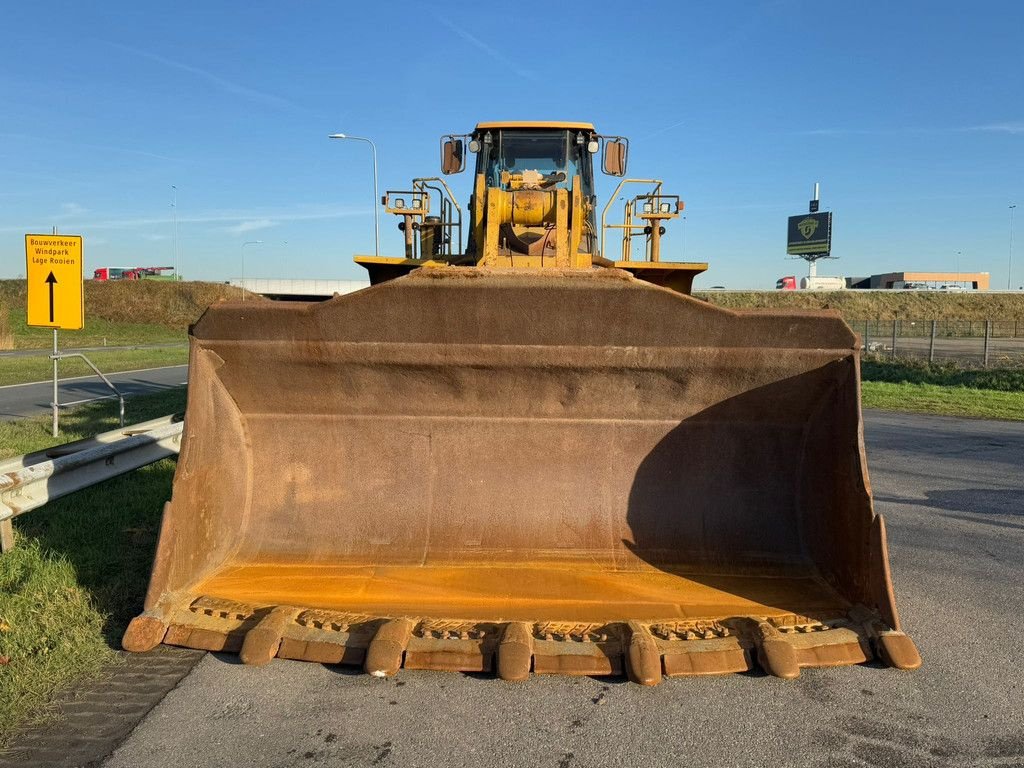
(53,266)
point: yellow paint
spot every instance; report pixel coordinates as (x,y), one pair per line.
(569,591)
(534,124)
(59,256)
(397,260)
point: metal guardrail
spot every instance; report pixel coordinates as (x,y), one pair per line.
(30,481)
(110,385)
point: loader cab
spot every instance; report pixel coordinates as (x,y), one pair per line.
(540,158)
(529,164)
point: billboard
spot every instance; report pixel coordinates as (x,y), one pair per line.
(810,234)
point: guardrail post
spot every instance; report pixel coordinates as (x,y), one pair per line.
(988,339)
(6,536)
(931,345)
(56,402)
(894,326)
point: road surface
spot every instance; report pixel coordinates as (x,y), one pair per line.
(953,494)
(20,400)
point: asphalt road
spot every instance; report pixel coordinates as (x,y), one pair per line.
(20,400)
(952,491)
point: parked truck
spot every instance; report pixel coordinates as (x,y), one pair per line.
(815,283)
(135,273)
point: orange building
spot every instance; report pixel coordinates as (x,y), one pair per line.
(978,281)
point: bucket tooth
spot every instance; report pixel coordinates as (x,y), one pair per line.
(145,632)
(897,650)
(643,657)
(894,648)
(262,642)
(384,656)
(515,652)
(774,653)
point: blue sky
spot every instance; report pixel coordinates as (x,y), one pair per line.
(910,114)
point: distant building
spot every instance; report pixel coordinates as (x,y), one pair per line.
(978,281)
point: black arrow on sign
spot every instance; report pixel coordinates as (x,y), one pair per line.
(51,280)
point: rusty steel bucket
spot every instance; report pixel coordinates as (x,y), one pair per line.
(572,472)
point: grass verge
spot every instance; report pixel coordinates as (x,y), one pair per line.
(97,333)
(857,305)
(21,370)
(80,566)
(122,312)
(944,388)
(946,401)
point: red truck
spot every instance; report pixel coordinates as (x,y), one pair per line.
(787,283)
(135,273)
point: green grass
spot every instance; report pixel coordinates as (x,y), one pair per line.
(97,333)
(20,370)
(122,312)
(856,306)
(942,374)
(943,388)
(80,566)
(948,401)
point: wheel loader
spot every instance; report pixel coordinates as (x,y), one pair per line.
(525,449)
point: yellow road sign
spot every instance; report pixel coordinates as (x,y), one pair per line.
(54,271)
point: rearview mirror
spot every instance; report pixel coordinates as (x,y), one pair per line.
(453,158)
(615,157)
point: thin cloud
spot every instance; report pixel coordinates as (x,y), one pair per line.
(72,209)
(862,131)
(1008,127)
(660,131)
(494,53)
(85,145)
(1012,127)
(235,89)
(250,226)
(313,213)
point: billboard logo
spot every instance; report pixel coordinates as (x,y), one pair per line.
(808,227)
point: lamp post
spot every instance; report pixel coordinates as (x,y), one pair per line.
(247,242)
(958,267)
(376,194)
(1009,262)
(174,205)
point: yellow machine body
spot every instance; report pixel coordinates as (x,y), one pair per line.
(524,463)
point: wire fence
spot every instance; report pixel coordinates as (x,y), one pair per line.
(980,343)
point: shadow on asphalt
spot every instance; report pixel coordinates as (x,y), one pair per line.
(978,501)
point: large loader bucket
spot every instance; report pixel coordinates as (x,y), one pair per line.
(578,473)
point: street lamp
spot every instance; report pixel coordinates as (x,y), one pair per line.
(247,242)
(376,195)
(1009,263)
(174,205)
